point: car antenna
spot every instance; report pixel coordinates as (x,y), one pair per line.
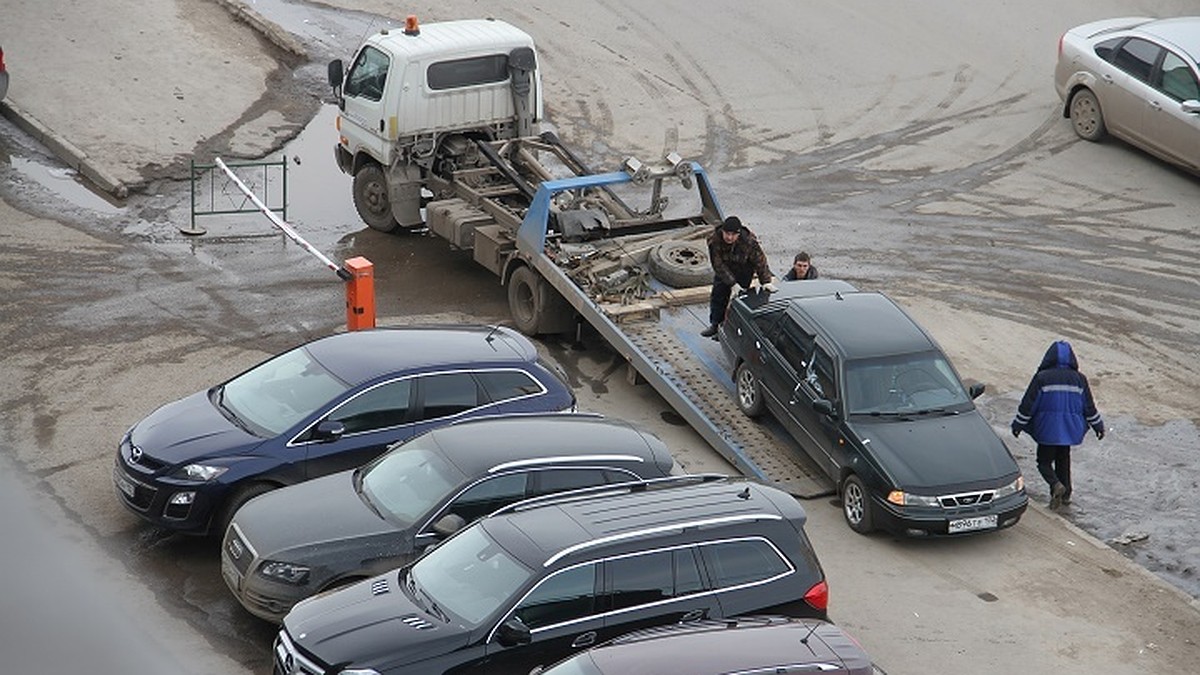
(495,329)
(745,493)
(837,295)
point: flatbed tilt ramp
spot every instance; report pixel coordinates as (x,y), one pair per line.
(659,337)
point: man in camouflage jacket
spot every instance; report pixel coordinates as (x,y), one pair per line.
(736,258)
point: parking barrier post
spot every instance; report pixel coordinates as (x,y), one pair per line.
(360,293)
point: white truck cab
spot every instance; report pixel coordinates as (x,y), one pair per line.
(414,101)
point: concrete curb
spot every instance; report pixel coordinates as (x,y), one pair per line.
(271,31)
(63,149)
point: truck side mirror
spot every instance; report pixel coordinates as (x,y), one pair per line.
(976,390)
(336,74)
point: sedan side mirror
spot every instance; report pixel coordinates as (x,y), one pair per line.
(449,524)
(513,632)
(976,390)
(329,431)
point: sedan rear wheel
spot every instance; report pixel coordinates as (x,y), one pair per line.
(749,392)
(1086,117)
(856,505)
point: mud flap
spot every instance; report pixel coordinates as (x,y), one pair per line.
(404,193)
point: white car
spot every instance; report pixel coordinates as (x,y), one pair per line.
(1137,79)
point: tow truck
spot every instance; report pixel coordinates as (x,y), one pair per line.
(436,126)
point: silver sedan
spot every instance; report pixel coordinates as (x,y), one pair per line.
(1137,79)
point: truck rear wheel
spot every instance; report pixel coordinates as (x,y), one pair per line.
(681,264)
(536,307)
(371,199)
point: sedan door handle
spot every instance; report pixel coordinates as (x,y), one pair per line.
(1107,79)
(585,640)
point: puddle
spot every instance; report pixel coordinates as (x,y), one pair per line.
(63,182)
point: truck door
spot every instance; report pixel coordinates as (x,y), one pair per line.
(364,117)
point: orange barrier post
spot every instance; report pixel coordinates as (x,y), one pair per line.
(360,293)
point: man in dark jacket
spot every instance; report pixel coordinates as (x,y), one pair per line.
(1056,411)
(736,258)
(802,268)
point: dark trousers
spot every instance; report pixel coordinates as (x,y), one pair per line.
(718,301)
(1054,463)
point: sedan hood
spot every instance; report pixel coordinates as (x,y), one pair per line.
(371,624)
(189,429)
(329,507)
(938,454)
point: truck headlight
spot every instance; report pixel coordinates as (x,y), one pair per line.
(286,572)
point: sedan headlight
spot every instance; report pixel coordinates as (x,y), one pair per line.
(1012,488)
(200,472)
(901,498)
(286,572)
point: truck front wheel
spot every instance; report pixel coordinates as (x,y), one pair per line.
(371,198)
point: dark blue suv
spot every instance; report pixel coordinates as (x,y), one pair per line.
(326,406)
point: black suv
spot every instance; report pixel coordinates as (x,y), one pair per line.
(872,399)
(544,578)
(293,542)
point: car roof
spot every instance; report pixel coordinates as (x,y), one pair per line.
(787,290)
(744,644)
(454,39)
(359,356)
(1183,32)
(864,324)
(569,527)
(495,443)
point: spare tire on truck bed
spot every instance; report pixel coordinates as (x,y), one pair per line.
(681,264)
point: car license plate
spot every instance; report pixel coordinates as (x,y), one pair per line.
(970,524)
(123,484)
(233,578)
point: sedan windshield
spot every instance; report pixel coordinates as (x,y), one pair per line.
(906,383)
(409,481)
(277,395)
(470,575)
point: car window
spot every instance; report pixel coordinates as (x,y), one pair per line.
(819,375)
(557,480)
(1137,58)
(1107,49)
(468,72)
(488,495)
(446,394)
(766,321)
(276,395)
(568,594)
(368,75)
(384,406)
(470,575)
(794,345)
(903,383)
(651,577)
(502,385)
(1177,79)
(744,561)
(409,481)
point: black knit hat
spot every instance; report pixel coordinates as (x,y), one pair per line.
(732,224)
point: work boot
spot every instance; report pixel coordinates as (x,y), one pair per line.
(1066,498)
(711,331)
(1056,495)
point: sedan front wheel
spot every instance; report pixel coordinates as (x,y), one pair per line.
(1086,117)
(856,505)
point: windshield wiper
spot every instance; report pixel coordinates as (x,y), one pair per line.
(359,487)
(433,607)
(229,414)
(926,411)
(410,586)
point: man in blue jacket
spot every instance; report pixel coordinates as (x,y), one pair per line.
(1056,411)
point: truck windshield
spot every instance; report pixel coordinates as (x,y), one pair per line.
(368,75)
(904,383)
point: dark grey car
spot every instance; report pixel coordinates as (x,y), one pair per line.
(291,543)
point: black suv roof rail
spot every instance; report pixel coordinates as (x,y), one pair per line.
(610,488)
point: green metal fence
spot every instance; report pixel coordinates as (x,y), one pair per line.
(214,193)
